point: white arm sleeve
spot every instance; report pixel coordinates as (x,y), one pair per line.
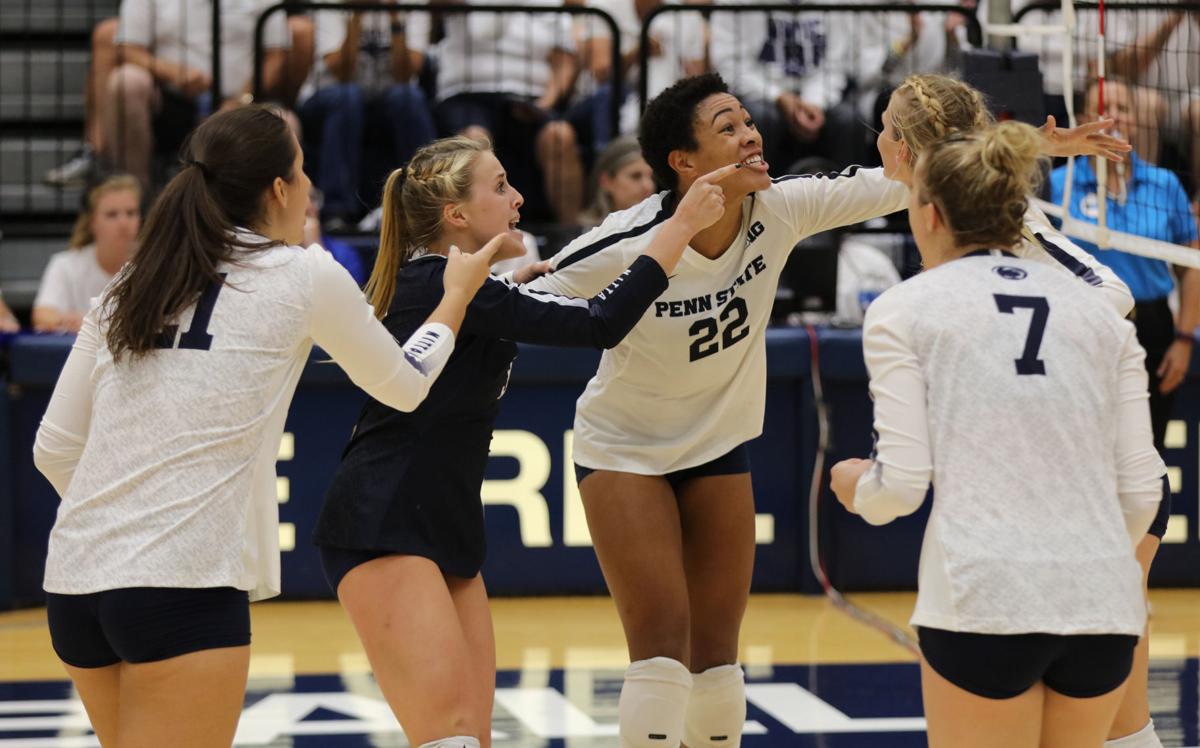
(584,267)
(1139,467)
(1042,241)
(344,324)
(64,428)
(898,481)
(818,202)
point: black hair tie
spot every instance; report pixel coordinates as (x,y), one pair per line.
(203,169)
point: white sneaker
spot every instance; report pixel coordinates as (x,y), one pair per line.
(76,171)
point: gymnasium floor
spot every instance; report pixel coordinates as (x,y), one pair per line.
(816,677)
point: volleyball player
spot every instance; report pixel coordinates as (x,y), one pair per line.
(402,532)
(927,107)
(661,430)
(1022,395)
(162,431)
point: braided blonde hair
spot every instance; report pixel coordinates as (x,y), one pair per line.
(927,108)
(980,180)
(439,173)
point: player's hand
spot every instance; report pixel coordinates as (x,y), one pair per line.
(704,202)
(531,272)
(465,273)
(9,323)
(1174,366)
(1090,139)
(843,479)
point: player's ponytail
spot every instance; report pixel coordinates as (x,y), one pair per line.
(980,182)
(414,196)
(228,164)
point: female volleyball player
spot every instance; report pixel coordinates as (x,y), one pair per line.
(926,107)
(661,431)
(162,431)
(401,532)
(1022,395)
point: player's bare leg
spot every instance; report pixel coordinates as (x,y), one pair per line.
(960,718)
(419,649)
(190,701)
(99,688)
(1134,713)
(635,526)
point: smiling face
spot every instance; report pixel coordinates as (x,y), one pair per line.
(725,134)
(494,205)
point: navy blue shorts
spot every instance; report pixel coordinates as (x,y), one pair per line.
(1158,527)
(736,460)
(1002,666)
(145,624)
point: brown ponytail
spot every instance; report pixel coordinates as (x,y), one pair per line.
(230,161)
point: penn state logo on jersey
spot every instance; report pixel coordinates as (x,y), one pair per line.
(1008,272)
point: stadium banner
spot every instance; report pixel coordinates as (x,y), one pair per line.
(537,532)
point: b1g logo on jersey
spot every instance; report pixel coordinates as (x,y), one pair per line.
(1008,272)
(756,230)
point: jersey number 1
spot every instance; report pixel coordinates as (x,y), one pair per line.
(1028,363)
(196,337)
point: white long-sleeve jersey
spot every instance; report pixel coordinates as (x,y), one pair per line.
(689,383)
(166,463)
(1022,395)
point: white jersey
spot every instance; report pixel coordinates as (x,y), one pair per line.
(1043,243)
(1022,394)
(688,384)
(166,463)
(72,281)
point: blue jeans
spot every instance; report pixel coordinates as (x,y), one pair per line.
(409,120)
(332,119)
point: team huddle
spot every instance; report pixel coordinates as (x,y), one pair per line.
(1004,375)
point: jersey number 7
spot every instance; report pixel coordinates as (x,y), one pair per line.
(1028,363)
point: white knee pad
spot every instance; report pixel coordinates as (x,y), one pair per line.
(1143,738)
(653,703)
(717,710)
(460,741)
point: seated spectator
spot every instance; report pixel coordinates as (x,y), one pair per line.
(346,255)
(789,71)
(101,243)
(364,73)
(677,50)
(620,179)
(82,167)
(505,77)
(162,86)
(8,320)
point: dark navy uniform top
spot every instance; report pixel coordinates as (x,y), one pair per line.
(410,482)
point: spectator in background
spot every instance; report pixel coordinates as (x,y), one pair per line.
(789,71)
(677,50)
(161,88)
(346,255)
(101,243)
(620,179)
(8,320)
(364,73)
(505,77)
(1147,201)
(77,170)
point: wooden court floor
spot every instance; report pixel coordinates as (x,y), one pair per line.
(816,676)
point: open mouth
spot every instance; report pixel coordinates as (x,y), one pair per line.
(755,162)
(512,225)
